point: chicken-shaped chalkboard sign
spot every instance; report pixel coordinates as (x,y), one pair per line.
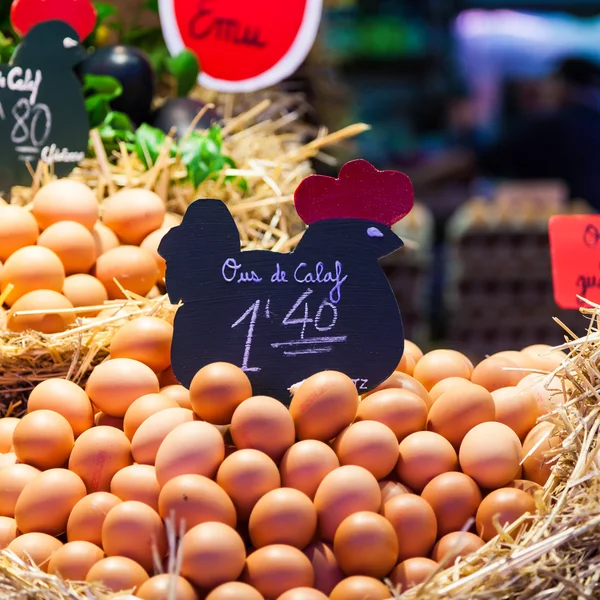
(284,317)
(42,107)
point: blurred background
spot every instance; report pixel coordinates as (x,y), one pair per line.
(493,108)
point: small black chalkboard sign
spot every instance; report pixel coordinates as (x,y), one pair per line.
(284,317)
(42,108)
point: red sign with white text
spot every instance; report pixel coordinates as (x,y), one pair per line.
(575,253)
(242,45)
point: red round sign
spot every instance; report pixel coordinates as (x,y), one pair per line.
(242,46)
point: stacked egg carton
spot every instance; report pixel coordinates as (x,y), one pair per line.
(500,293)
(407,271)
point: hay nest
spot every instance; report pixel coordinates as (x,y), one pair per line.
(557,554)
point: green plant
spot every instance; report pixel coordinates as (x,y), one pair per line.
(200,152)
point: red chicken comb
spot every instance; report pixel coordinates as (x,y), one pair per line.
(79,14)
(359,192)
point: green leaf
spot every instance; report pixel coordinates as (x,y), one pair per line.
(185,68)
(151,5)
(104,11)
(102,85)
(119,121)
(148,142)
(97,109)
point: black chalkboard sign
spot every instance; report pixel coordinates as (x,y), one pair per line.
(284,317)
(42,108)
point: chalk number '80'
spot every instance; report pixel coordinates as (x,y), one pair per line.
(28,119)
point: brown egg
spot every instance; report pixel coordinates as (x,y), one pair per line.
(137,482)
(323,405)
(18,228)
(133,267)
(439,364)
(103,419)
(146,339)
(31,268)
(65,200)
(43,439)
(368,444)
(495,373)
(343,492)
(538,461)
(65,398)
(275,569)
(8,531)
(423,456)
(98,454)
(544,357)
(283,516)
(547,392)
(39,547)
(85,290)
(407,364)
(246,476)
(39,300)
(325,567)
(117,573)
(7,428)
(74,560)
(151,433)
(133,214)
(305,464)
(165,587)
(402,411)
(302,593)
(143,408)
(404,382)
(390,487)
(412,572)
(195,499)
(13,479)
(178,393)
(264,424)
(516,408)
(217,390)
(457,544)
(132,529)
(455,498)
(8,459)
(196,447)
(520,359)
(234,590)
(46,502)
(457,411)
(87,517)
(524,485)
(365,543)
(450,384)
(413,350)
(72,243)
(491,454)
(151,243)
(104,238)
(360,587)
(116,383)
(506,505)
(212,554)
(414,523)
(167,377)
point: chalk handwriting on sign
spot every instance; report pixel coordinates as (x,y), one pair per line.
(575,253)
(42,110)
(284,317)
(242,46)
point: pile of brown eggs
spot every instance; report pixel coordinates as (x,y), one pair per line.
(60,253)
(324,500)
